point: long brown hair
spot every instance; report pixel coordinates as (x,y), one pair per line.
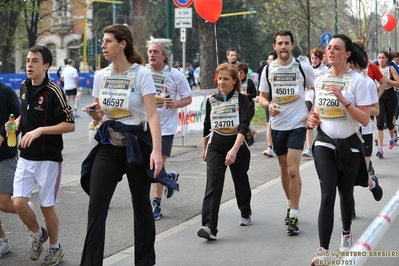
(123,33)
(233,71)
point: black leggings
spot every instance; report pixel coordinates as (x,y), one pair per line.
(388,103)
(330,178)
(109,166)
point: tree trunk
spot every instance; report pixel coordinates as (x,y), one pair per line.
(8,12)
(208,56)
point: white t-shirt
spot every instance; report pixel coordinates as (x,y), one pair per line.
(143,84)
(177,88)
(290,113)
(69,73)
(319,71)
(374,99)
(356,93)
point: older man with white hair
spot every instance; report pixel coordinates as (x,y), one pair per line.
(173,92)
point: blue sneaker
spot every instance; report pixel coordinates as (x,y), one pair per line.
(157,211)
(167,191)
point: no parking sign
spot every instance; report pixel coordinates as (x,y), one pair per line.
(183,3)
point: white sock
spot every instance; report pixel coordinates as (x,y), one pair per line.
(289,203)
(55,246)
(294,213)
(39,233)
(372,186)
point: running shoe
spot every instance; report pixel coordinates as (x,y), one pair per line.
(377,190)
(245,221)
(37,245)
(53,256)
(157,211)
(380,153)
(293,228)
(206,232)
(391,144)
(307,153)
(269,152)
(168,192)
(5,246)
(322,258)
(371,169)
(287,217)
(346,242)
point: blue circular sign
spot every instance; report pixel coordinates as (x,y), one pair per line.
(325,38)
(183,3)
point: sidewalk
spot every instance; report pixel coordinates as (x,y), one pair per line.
(265,242)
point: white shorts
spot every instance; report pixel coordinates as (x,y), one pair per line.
(47,174)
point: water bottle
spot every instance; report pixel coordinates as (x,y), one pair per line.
(12,136)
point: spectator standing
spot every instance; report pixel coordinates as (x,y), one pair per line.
(59,71)
(69,76)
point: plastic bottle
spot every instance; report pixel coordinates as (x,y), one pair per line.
(12,136)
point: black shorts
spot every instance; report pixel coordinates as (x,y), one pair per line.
(288,139)
(71,92)
(167,143)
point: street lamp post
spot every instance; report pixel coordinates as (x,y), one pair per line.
(85,27)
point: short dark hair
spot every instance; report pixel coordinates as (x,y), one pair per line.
(283,33)
(46,53)
(242,66)
(274,54)
(66,61)
(230,50)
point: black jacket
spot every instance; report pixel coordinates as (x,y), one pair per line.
(41,106)
(9,104)
(243,127)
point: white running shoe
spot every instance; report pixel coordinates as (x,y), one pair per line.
(5,246)
(346,242)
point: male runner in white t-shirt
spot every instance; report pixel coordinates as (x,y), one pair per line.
(288,117)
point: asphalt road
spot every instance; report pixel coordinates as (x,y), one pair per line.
(72,207)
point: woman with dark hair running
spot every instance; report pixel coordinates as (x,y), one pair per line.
(387,102)
(341,103)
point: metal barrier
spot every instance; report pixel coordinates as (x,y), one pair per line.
(364,247)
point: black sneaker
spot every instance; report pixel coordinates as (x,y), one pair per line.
(371,169)
(287,218)
(292,228)
(377,190)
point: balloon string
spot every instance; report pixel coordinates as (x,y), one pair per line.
(216,44)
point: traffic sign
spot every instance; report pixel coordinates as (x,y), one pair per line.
(183,3)
(184,17)
(183,35)
(325,38)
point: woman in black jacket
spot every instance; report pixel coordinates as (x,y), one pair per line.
(225,128)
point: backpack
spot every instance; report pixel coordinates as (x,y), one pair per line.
(270,86)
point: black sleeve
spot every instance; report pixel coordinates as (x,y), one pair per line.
(251,90)
(244,114)
(207,120)
(13,106)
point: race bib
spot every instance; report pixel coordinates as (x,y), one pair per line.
(225,115)
(327,104)
(160,86)
(115,93)
(285,85)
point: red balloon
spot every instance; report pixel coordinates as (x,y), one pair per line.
(388,21)
(209,10)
